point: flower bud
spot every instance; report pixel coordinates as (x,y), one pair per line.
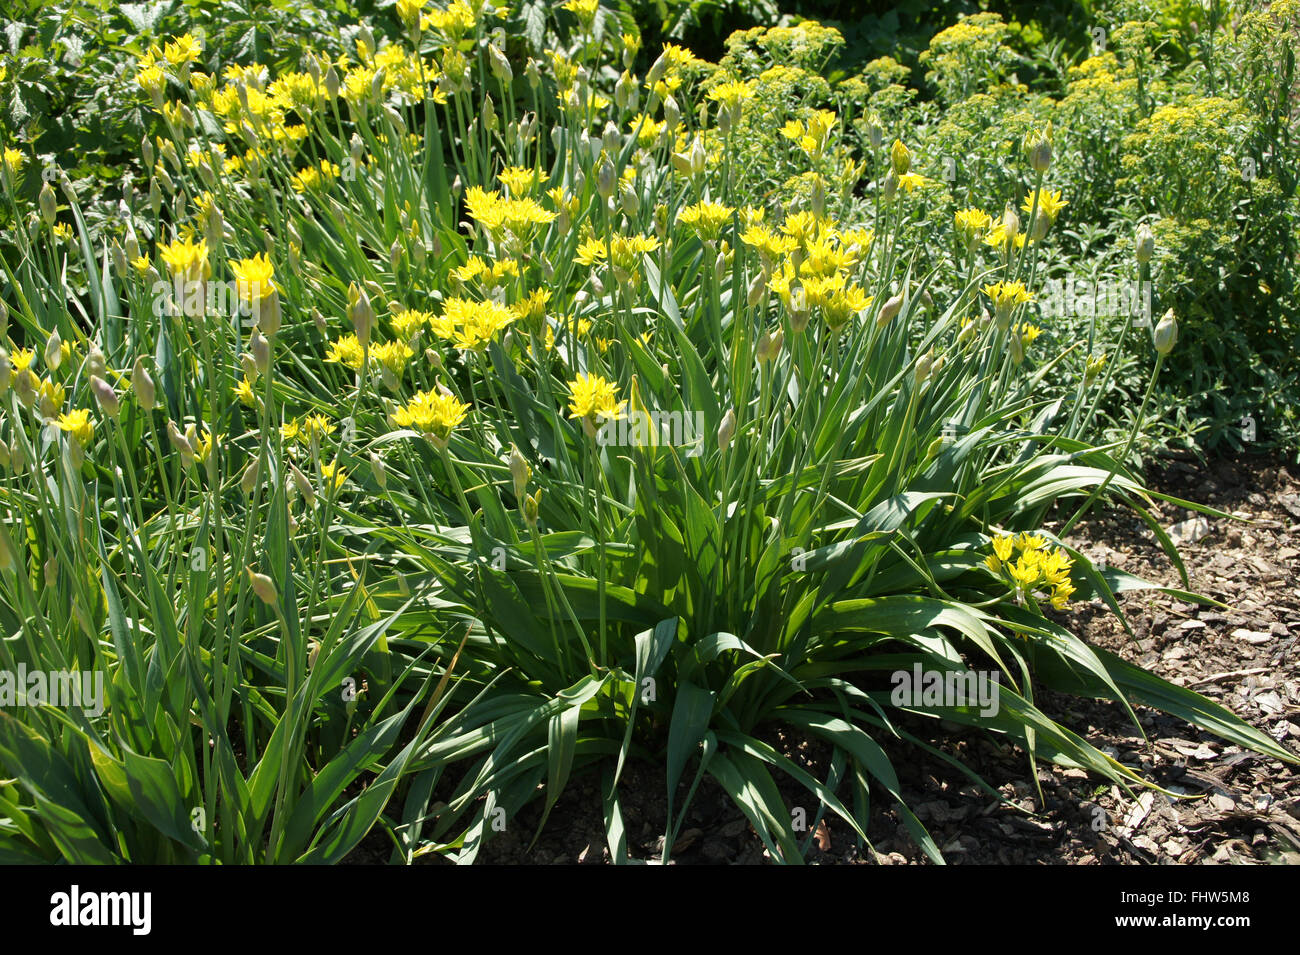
(890,309)
(606,179)
(924,366)
(260,348)
(520,472)
(49,204)
(629,200)
(657,70)
(499,64)
(672,113)
(1011,223)
(180,443)
(96,364)
(890,187)
(301,482)
(532,506)
(379,470)
(875,132)
(54,351)
(25,383)
(263,586)
(699,158)
(1038,146)
(769,346)
(1146,244)
(727,430)
(1166,333)
(900,158)
(625,91)
(251,477)
(360,313)
(105,396)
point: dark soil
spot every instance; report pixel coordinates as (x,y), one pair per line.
(1231,806)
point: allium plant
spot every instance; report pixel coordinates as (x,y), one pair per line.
(531,445)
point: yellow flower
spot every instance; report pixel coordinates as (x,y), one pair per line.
(594,397)
(51,395)
(1006,296)
(1024,572)
(13,162)
(910,181)
(393,355)
(77,423)
(152,80)
(1050,203)
(244,392)
(584,10)
(202,444)
(314,427)
(315,178)
(408,323)
(733,93)
(1002,546)
(334,475)
(518,180)
(970,223)
(900,158)
(346,351)
(590,251)
(470,324)
(1056,567)
(813,133)
(706,218)
(431,413)
(186,259)
(253,277)
(1030,542)
(496,213)
(767,243)
(184,49)
(1061,594)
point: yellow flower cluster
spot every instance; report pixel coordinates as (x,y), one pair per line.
(593,397)
(811,134)
(497,213)
(471,324)
(432,412)
(1037,566)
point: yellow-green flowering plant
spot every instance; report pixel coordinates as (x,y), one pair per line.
(525,444)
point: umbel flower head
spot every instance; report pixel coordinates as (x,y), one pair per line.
(1037,567)
(254,283)
(594,399)
(433,413)
(1006,296)
(186,259)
